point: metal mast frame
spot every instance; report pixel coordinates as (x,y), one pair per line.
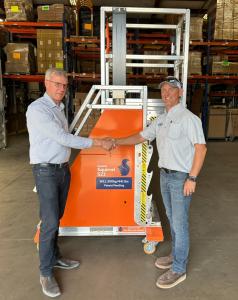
(177,60)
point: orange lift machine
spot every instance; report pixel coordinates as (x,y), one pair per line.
(108,191)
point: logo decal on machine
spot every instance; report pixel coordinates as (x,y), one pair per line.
(124,168)
(110,177)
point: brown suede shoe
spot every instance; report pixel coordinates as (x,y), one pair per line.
(164,262)
(170,279)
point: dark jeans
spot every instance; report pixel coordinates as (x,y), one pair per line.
(52,185)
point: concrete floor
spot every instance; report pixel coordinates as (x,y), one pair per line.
(117,268)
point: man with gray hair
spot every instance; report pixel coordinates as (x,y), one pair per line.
(50,148)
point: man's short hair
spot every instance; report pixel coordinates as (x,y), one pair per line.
(54,71)
(172,81)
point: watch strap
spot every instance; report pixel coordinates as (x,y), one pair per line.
(192,178)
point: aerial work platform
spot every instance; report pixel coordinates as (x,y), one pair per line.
(108,191)
(108,194)
(102,198)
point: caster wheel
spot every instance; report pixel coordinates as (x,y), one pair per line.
(150,247)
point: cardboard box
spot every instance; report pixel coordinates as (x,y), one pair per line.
(49,49)
(20,58)
(217,123)
(49,39)
(19,10)
(194,62)
(40,54)
(223,18)
(54,13)
(195,32)
(42,66)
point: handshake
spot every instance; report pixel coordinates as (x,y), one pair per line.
(106,143)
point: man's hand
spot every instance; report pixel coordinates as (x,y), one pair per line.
(106,143)
(189,187)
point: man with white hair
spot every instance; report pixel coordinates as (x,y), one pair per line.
(50,148)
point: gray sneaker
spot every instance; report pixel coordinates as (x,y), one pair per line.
(170,279)
(49,286)
(164,262)
(67,264)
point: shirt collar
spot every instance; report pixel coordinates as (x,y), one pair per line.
(51,103)
(178,107)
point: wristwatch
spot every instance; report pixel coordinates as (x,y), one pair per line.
(192,178)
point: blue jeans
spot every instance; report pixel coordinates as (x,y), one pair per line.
(52,185)
(177,211)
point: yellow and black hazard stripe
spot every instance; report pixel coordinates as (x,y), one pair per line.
(143,183)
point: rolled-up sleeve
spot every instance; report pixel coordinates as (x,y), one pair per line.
(47,125)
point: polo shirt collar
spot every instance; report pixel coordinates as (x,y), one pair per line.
(175,109)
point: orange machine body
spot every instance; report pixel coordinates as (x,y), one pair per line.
(102,183)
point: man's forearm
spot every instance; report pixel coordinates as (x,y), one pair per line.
(199,156)
(130,140)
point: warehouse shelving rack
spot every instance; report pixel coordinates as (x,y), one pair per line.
(228,47)
(24,30)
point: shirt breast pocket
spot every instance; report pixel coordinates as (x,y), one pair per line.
(174,131)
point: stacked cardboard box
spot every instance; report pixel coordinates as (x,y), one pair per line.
(49,49)
(57,13)
(223,15)
(223,122)
(20,58)
(194,63)
(159,70)
(52,13)
(19,10)
(92,119)
(196,24)
(217,122)
(222,65)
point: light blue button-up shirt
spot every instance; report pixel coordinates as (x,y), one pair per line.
(176,133)
(50,140)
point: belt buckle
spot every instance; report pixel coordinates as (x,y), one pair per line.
(62,165)
(44,164)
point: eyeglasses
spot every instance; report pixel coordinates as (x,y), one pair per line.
(58,84)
